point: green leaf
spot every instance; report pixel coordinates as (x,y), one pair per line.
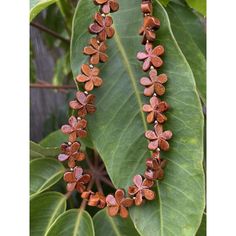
(198,5)
(72,223)
(202,229)
(117,128)
(36,6)
(44,172)
(113,226)
(164,2)
(36,151)
(190,34)
(44,209)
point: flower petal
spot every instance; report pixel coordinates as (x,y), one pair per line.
(72,137)
(114,5)
(147,64)
(162,78)
(150,117)
(167,135)
(156,61)
(97,81)
(148,194)
(82,78)
(78,171)
(95,28)
(153,145)
(81,97)
(70,186)
(132,190)
(149,91)
(138,199)
(82,133)
(62,157)
(86,69)
(89,50)
(69,177)
(150,135)
(154,101)
(66,129)
(98,17)
(159,89)
(153,73)
(158,50)
(123,212)
(110,200)
(108,21)
(110,32)
(137,179)
(148,183)
(85,178)
(72,121)
(94,59)
(147,108)
(80,156)
(148,47)
(145,81)
(113,210)
(119,195)
(142,55)
(164,145)
(75,147)
(127,202)
(81,124)
(89,85)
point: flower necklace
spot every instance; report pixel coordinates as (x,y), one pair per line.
(75,178)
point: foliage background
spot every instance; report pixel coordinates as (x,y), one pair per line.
(51,65)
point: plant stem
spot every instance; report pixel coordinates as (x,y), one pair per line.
(49,31)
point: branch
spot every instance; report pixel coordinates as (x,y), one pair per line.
(49,31)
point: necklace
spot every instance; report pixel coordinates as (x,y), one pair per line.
(84,104)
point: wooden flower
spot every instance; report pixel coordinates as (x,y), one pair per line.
(158,138)
(150,24)
(76,180)
(96,50)
(84,104)
(141,189)
(71,153)
(151,56)
(155,110)
(102,27)
(154,168)
(75,128)
(96,199)
(108,5)
(118,204)
(154,83)
(90,77)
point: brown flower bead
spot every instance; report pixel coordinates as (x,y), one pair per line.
(158,138)
(108,5)
(96,50)
(154,83)
(150,24)
(155,110)
(102,27)
(89,77)
(84,104)
(151,56)
(155,168)
(75,128)
(97,199)
(71,153)
(141,190)
(118,204)
(76,180)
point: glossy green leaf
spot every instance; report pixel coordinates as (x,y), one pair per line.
(36,6)
(44,172)
(36,151)
(113,226)
(164,2)
(198,5)
(44,209)
(189,32)
(117,129)
(72,223)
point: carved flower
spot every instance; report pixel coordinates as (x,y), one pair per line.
(75,128)
(155,168)
(71,153)
(118,204)
(90,77)
(108,5)
(151,56)
(155,110)
(84,104)
(102,27)
(154,83)
(96,50)
(158,138)
(94,199)
(76,179)
(141,190)
(150,24)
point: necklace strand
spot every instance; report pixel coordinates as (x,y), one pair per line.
(76,178)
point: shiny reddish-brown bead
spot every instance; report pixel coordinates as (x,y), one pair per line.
(71,153)
(151,57)
(75,128)
(102,27)
(96,50)
(89,76)
(155,110)
(83,103)
(118,204)
(141,189)
(158,138)
(154,83)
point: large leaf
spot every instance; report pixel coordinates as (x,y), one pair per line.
(44,209)
(36,151)
(117,129)
(199,5)
(44,172)
(190,34)
(72,223)
(113,226)
(36,6)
